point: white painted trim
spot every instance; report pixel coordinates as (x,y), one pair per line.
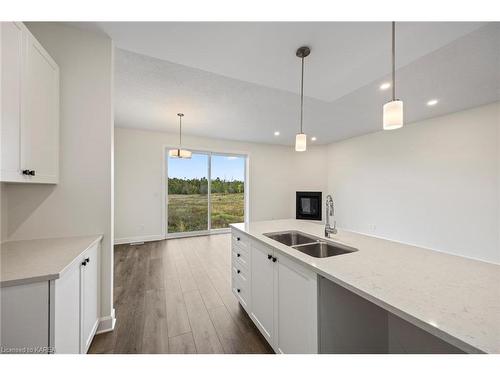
(106,324)
(154,237)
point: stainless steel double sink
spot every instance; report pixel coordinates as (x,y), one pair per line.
(310,245)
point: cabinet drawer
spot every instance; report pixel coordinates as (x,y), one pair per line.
(241,274)
(240,256)
(241,240)
(242,291)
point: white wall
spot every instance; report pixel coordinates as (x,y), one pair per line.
(275,173)
(81,204)
(433,183)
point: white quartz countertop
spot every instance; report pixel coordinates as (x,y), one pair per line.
(30,261)
(454,298)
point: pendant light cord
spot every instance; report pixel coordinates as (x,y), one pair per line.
(180,131)
(302,95)
(393,60)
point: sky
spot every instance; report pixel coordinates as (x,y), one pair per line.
(225,167)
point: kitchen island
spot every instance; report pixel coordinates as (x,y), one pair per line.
(452,298)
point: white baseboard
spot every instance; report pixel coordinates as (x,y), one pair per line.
(155,237)
(107,323)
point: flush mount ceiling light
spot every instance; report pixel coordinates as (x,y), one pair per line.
(276,133)
(432,102)
(301,138)
(385,86)
(393,110)
(179,152)
(313,139)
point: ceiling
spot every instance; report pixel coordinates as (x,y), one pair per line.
(240,80)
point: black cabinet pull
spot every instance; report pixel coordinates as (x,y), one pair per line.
(269,256)
(84,263)
(87,260)
(238,271)
(237,238)
(26,172)
(275,259)
(32,173)
(238,290)
(238,255)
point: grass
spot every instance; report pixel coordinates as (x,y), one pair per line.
(188,213)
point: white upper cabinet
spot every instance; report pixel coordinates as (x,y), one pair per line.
(30,108)
(11,60)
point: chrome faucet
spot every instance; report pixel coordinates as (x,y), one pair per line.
(330,211)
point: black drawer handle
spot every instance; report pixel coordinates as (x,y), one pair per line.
(238,271)
(32,173)
(238,290)
(84,263)
(275,259)
(238,255)
(269,256)
(87,260)
(26,172)
(237,238)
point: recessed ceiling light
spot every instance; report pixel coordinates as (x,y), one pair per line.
(276,133)
(313,139)
(432,102)
(385,85)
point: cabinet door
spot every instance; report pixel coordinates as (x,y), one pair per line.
(90,297)
(296,317)
(262,289)
(66,322)
(25,318)
(40,114)
(11,65)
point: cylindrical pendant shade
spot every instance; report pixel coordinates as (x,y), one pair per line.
(178,153)
(393,115)
(300,142)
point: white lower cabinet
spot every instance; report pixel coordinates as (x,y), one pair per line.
(59,315)
(283,297)
(262,270)
(90,298)
(295,308)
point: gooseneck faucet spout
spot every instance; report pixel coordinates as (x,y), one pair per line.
(330,211)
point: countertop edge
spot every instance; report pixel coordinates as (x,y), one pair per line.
(51,276)
(98,239)
(453,340)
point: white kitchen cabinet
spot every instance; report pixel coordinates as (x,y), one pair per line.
(89,297)
(25,318)
(262,270)
(295,308)
(58,315)
(284,296)
(30,108)
(11,64)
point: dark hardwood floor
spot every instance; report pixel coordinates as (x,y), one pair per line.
(175,296)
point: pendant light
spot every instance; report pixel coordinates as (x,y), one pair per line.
(301,138)
(393,110)
(179,152)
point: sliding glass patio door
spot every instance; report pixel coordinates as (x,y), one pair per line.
(187,198)
(204,194)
